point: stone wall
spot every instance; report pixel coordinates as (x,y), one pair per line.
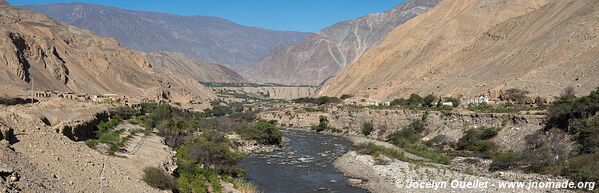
(515,127)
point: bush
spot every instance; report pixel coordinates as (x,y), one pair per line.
(323,124)
(425,152)
(367,128)
(410,134)
(583,168)
(265,132)
(127,112)
(244,187)
(429,100)
(345,96)
(377,150)
(318,101)
(218,156)
(415,100)
(454,100)
(439,142)
(476,140)
(157,178)
(505,161)
(516,95)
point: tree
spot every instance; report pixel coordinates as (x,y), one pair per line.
(398,102)
(367,128)
(157,178)
(516,95)
(429,100)
(568,93)
(454,100)
(415,100)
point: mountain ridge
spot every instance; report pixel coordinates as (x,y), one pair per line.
(474,56)
(210,39)
(320,56)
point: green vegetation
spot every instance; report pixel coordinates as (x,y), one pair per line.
(477,140)
(410,134)
(157,178)
(323,100)
(367,128)
(323,125)
(415,101)
(377,150)
(409,139)
(204,159)
(503,108)
(107,134)
(242,185)
(571,118)
(265,132)
(346,96)
(516,95)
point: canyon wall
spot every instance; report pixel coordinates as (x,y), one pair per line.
(515,127)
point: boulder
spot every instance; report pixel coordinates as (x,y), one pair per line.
(7,134)
(354,182)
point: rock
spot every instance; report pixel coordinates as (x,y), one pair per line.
(7,134)
(333,181)
(354,182)
(14,177)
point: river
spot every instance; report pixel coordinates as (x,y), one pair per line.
(304,165)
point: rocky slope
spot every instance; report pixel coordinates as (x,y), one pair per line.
(52,56)
(210,39)
(477,47)
(320,56)
(177,64)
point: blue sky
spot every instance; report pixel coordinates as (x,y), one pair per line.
(294,15)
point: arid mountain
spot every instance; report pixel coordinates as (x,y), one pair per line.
(52,56)
(210,39)
(474,47)
(177,64)
(320,56)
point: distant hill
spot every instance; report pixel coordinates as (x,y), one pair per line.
(54,56)
(320,56)
(211,39)
(177,64)
(474,47)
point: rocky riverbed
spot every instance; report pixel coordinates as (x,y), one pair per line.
(396,175)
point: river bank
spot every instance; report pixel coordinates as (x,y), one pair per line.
(394,176)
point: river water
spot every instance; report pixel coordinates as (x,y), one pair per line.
(304,165)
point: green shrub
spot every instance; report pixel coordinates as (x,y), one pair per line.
(127,112)
(367,128)
(410,134)
(454,100)
(429,100)
(476,140)
(265,132)
(345,96)
(377,150)
(505,161)
(426,152)
(583,168)
(157,178)
(323,124)
(318,101)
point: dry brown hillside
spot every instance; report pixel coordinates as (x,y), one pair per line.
(53,56)
(318,57)
(177,64)
(472,47)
